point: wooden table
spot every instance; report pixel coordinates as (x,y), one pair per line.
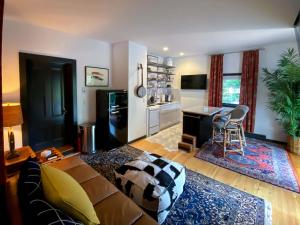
(197,121)
(14,165)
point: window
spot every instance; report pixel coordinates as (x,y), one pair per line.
(231,89)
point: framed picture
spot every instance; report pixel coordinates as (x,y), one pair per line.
(96,76)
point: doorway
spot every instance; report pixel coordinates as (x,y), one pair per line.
(48,99)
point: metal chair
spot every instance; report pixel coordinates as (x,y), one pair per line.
(230,126)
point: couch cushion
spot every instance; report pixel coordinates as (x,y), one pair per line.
(36,210)
(145,219)
(29,183)
(67,162)
(61,190)
(82,173)
(93,190)
(47,214)
(118,209)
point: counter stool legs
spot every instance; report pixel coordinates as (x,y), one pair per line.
(243,135)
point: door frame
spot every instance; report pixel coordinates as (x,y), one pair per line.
(23,57)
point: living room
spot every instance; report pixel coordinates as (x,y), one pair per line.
(145,112)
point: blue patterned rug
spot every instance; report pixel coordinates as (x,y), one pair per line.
(264,161)
(203,201)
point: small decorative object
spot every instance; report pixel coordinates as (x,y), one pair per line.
(96,76)
(284,95)
(12,116)
(152,59)
(168,61)
(46,153)
(141,90)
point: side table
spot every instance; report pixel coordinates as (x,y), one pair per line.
(13,165)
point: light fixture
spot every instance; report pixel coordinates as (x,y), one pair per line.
(12,116)
(181,54)
(165,49)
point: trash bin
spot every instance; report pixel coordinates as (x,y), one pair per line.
(87,134)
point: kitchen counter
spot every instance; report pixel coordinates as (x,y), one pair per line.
(197,121)
(202,110)
(158,105)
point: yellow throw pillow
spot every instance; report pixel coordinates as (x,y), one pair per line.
(64,192)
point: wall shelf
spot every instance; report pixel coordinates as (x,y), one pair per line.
(160,65)
(159,72)
(159,78)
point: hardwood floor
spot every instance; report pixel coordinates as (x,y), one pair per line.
(285,204)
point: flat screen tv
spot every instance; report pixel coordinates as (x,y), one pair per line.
(194,82)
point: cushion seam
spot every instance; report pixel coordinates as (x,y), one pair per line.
(116,190)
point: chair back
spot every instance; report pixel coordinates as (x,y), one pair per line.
(239,112)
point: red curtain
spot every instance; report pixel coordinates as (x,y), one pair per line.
(2,166)
(249,86)
(216,81)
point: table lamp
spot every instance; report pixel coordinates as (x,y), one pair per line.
(12,116)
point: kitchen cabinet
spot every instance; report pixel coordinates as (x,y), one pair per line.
(169,115)
(152,120)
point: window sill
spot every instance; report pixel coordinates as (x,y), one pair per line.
(229,105)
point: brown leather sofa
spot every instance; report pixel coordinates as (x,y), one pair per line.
(111,205)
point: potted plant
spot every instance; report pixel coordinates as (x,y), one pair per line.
(283,84)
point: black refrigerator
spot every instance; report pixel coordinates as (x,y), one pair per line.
(111,119)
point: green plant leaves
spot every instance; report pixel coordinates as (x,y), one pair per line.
(284,91)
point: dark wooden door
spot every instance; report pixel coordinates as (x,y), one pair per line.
(49,117)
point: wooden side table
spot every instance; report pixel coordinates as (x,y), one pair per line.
(14,165)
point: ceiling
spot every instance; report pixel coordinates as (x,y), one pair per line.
(189,26)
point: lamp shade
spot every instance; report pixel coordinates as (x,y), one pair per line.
(12,114)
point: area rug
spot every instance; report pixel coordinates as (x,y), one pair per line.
(168,138)
(264,161)
(203,201)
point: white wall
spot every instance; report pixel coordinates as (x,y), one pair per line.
(187,66)
(266,123)
(137,106)
(31,39)
(126,56)
(119,62)
(266,119)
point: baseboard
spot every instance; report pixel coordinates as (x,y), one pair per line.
(264,138)
(256,136)
(277,142)
(130,142)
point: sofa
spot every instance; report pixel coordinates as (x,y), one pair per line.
(111,205)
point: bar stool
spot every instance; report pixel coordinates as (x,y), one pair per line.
(230,126)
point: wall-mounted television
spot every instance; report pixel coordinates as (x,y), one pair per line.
(194,82)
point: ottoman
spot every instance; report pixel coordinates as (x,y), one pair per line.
(152,182)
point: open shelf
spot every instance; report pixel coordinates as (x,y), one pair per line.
(160,65)
(158,72)
(159,75)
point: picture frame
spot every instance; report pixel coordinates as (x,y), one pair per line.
(96,76)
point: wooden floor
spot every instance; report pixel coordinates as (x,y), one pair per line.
(285,204)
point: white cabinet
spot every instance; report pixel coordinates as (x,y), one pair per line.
(169,115)
(152,120)
(163,116)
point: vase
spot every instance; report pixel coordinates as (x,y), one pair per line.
(294,144)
